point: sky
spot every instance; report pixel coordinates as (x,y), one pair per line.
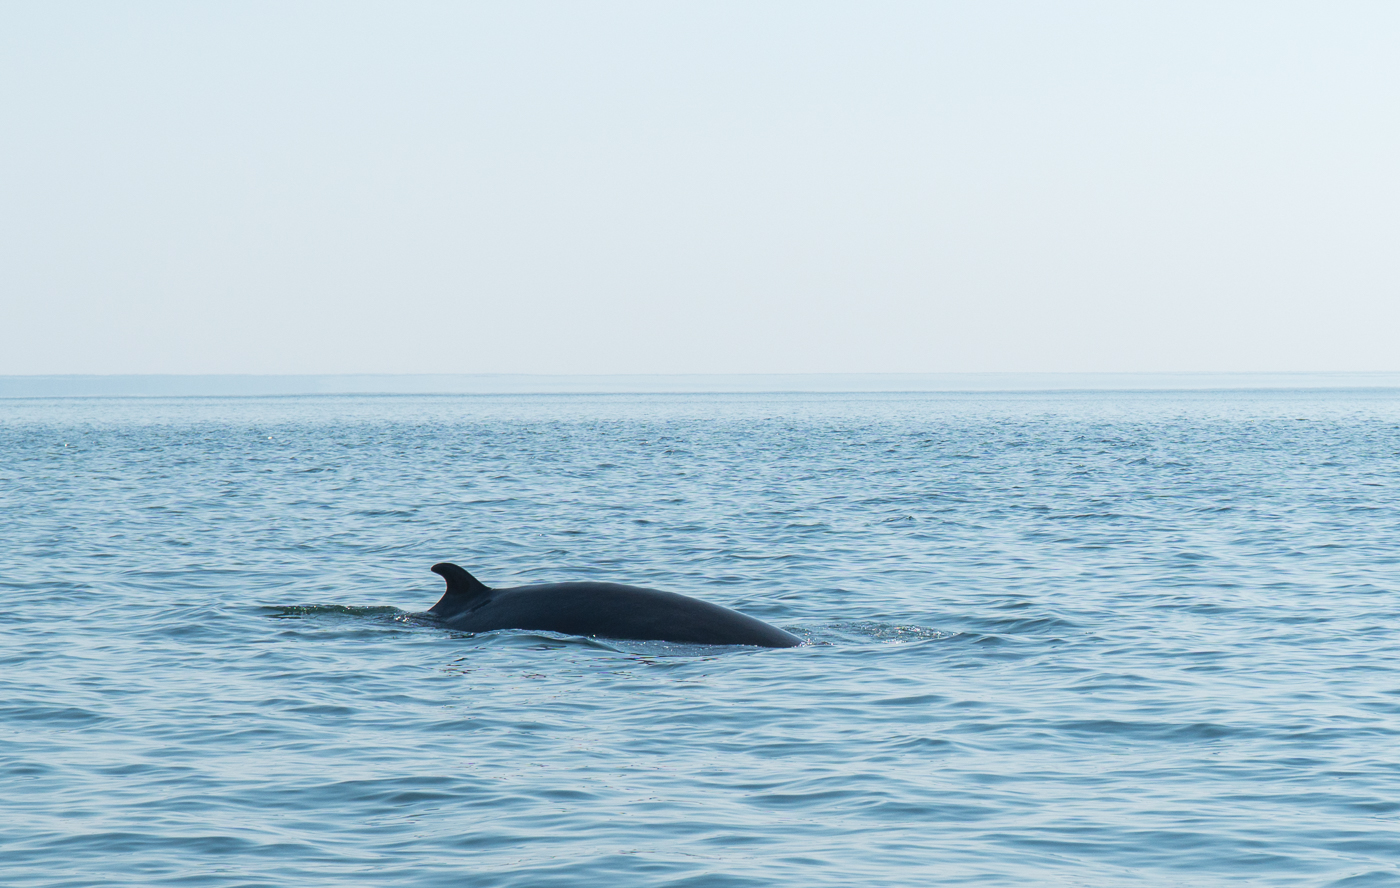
(705,187)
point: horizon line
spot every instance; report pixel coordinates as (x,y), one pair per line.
(309,384)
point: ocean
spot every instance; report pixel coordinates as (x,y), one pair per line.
(1052,638)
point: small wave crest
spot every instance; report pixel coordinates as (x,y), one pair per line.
(866,631)
(296,611)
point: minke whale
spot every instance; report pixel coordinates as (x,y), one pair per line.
(609,610)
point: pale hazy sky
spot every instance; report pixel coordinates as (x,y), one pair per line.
(297,187)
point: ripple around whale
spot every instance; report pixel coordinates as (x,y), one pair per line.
(1049,639)
(822,634)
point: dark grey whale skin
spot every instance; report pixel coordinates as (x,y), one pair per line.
(608,610)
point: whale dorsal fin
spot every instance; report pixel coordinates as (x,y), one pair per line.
(462,590)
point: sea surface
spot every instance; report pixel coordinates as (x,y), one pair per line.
(1066,638)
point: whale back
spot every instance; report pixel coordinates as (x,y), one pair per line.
(606,610)
(612,610)
(464,591)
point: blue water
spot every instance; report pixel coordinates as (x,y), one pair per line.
(1054,639)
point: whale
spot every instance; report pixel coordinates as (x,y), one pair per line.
(598,610)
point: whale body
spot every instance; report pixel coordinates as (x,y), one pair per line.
(609,610)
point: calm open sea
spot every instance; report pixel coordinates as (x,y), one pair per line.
(1055,639)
